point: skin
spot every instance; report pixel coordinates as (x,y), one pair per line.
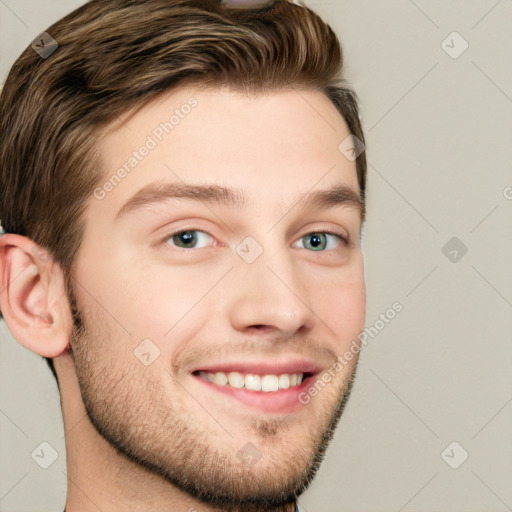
(149,438)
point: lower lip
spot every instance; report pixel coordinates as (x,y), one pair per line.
(280,401)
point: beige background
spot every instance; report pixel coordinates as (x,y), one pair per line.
(439,132)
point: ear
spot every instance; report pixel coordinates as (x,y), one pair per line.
(33,298)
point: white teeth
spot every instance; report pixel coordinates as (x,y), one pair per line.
(254,382)
(207,376)
(269,383)
(284,381)
(236,380)
(220,379)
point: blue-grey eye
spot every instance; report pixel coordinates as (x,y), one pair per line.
(189,239)
(319,241)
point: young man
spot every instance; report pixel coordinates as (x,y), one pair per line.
(183,197)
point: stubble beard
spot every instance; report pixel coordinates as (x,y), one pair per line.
(182,454)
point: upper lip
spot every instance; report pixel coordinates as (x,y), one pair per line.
(263,367)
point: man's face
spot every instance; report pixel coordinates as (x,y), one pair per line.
(250,292)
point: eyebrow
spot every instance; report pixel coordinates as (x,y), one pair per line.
(154,193)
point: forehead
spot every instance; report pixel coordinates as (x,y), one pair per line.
(271,145)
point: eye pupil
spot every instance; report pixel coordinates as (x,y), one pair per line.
(185,237)
(317,240)
(189,239)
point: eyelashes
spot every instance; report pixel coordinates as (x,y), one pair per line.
(185,238)
(324,235)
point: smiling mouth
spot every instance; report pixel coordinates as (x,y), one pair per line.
(254,382)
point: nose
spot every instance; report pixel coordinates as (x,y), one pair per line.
(268,297)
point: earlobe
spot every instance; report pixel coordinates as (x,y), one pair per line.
(32,296)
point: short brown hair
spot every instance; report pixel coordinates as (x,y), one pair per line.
(116,56)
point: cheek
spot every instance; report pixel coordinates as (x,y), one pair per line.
(166,304)
(344,307)
(149,299)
